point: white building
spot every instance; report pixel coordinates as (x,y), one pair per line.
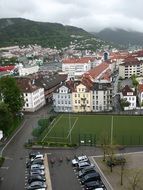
(76,67)
(131,66)
(34,96)
(129,95)
(102,96)
(62,99)
(140,94)
(23,71)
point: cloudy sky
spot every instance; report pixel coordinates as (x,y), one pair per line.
(92,15)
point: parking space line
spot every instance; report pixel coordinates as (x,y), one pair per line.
(3,167)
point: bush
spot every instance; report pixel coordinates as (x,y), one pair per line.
(1,160)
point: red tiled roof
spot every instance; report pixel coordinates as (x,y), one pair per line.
(130,60)
(26,85)
(127,90)
(140,87)
(78,60)
(106,75)
(6,68)
(95,72)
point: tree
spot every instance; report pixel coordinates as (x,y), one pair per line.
(6,118)
(10,93)
(124,103)
(135,179)
(104,140)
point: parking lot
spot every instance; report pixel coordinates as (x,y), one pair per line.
(63,175)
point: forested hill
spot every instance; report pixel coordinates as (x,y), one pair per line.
(22,31)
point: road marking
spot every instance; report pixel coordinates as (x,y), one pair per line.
(12,137)
(52,127)
(7,158)
(6,168)
(71,128)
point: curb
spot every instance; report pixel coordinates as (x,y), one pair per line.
(47,173)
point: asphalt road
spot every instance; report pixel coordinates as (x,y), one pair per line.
(13,170)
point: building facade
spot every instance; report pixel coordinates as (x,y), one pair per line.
(62,99)
(76,67)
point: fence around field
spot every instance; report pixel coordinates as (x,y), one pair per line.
(125,130)
(93,140)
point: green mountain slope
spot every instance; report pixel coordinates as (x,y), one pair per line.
(18,31)
(120,36)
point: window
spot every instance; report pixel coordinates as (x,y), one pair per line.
(75,95)
(79,101)
(27,105)
(75,101)
(26,94)
(79,95)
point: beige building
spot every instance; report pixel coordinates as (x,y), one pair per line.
(131,66)
(81,98)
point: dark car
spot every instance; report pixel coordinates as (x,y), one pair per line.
(38,161)
(85,171)
(36,178)
(90,177)
(33,154)
(94,184)
(36,185)
(36,172)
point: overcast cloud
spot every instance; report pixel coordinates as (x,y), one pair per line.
(92,15)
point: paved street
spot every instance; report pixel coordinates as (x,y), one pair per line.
(13,169)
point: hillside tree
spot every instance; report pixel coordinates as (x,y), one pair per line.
(11,95)
(6,119)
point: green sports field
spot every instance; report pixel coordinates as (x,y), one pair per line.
(88,129)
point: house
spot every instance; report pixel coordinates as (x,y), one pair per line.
(33,96)
(76,67)
(130,66)
(81,98)
(140,94)
(129,95)
(50,82)
(102,96)
(62,98)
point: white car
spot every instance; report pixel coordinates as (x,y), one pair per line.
(39,156)
(37,166)
(79,159)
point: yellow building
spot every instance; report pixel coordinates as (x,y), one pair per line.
(81,98)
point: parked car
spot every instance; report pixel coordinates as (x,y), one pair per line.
(90,177)
(82,174)
(85,171)
(33,154)
(94,185)
(39,156)
(82,165)
(36,178)
(38,172)
(35,185)
(37,167)
(79,159)
(37,161)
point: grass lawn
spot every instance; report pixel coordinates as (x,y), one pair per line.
(126,130)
